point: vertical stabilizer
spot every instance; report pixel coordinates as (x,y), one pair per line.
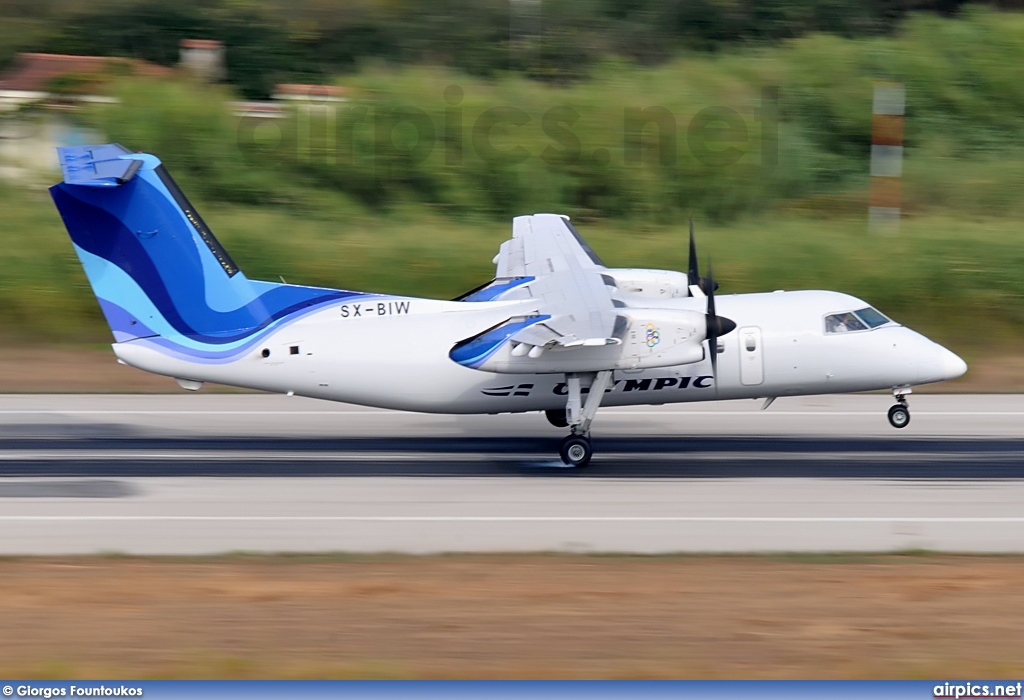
(153,263)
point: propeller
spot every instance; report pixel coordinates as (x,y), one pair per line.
(717,326)
(706,284)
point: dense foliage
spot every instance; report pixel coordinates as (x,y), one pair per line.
(272,41)
(720,135)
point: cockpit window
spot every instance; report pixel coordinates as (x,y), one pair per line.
(860,320)
(872,317)
(843,323)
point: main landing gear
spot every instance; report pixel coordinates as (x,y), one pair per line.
(899,414)
(576,449)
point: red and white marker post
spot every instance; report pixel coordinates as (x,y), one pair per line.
(884,205)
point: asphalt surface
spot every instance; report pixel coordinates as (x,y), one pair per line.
(195,474)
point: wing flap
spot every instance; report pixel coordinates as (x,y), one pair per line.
(540,334)
(579,302)
(511,262)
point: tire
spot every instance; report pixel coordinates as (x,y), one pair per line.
(557,417)
(899,416)
(576,451)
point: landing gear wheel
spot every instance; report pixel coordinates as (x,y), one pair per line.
(576,451)
(899,416)
(557,418)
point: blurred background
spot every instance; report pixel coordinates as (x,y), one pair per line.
(385,144)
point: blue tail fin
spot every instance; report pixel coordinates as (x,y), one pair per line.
(154,264)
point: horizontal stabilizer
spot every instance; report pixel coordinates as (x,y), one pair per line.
(97,166)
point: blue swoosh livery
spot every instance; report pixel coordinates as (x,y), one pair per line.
(158,271)
(474,352)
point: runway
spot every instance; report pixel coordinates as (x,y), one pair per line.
(209,473)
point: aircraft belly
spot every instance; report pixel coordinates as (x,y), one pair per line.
(425,381)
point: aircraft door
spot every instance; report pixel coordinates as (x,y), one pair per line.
(751,359)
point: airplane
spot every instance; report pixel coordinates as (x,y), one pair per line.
(556,331)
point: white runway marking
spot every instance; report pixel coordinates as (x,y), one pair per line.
(501,519)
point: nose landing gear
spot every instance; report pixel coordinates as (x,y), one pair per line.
(899,414)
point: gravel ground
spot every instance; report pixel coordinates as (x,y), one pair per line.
(515,616)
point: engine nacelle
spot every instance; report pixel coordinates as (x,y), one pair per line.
(649,284)
(663,338)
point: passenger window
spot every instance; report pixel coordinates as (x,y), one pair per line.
(842,323)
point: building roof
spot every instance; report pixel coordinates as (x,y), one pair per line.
(208,44)
(33,72)
(301,91)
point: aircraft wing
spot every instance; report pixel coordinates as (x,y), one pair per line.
(541,238)
(567,283)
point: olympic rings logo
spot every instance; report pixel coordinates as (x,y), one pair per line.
(653,336)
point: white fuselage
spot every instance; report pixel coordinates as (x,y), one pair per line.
(394,353)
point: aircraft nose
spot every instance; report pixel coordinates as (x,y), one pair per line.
(952,365)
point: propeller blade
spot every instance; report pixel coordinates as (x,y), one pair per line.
(707,284)
(717,326)
(712,324)
(711,296)
(693,272)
